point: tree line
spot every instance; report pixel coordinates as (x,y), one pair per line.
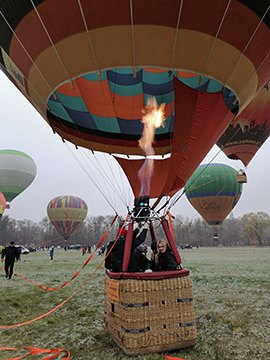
(248,230)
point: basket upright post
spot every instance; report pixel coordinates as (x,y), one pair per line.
(171,241)
(127,249)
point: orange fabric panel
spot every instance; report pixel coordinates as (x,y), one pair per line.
(100,101)
(128,107)
(69,89)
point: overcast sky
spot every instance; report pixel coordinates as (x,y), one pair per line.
(63,170)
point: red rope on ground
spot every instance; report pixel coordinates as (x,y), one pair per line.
(78,272)
(59,305)
(54,353)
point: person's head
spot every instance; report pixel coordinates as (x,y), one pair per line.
(162,246)
(142,249)
(12,243)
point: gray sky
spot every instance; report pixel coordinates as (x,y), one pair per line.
(63,170)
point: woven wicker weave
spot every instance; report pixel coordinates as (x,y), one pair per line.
(146,316)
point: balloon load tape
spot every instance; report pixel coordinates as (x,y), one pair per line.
(141,208)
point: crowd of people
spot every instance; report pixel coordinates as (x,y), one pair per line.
(161,259)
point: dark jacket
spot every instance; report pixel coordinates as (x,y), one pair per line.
(114,261)
(166,261)
(10,253)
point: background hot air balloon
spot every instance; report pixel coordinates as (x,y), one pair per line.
(250,129)
(2,204)
(17,172)
(66,213)
(91,89)
(213,191)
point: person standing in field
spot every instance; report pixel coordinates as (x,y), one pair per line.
(52,252)
(10,254)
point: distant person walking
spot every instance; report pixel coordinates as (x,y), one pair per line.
(83,250)
(10,254)
(52,252)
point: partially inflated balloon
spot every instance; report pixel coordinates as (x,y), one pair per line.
(2,204)
(67,213)
(213,191)
(17,172)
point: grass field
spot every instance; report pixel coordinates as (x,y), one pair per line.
(231,289)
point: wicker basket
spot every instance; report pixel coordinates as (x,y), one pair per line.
(147,313)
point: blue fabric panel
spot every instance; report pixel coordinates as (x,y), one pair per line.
(158,89)
(124,79)
(166,128)
(125,90)
(82,118)
(72,102)
(192,82)
(106,124)
(131,127)
(58,110)
(94,76)
(214,86)
(165,98)
(156,78)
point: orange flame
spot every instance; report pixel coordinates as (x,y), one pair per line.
(153,118)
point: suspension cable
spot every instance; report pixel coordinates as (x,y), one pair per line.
(216,36)
(89,37)
(176,35)
(52,43)
(132,36)
(93,181)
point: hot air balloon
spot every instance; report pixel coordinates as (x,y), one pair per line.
(91,89)
(2,204)
(249,130)
(67,213)
(90,68)
(213,191)
(17,171)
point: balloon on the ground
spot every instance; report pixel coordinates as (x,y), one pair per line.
(67,213)
(90,79)
(17,171)
(2,204)
(213,191)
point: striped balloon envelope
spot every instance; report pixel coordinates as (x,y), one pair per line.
(67,213)
(213,191)
(91,78)
(17,171)
(2,204)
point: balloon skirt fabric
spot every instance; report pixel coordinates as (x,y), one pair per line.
(150,316)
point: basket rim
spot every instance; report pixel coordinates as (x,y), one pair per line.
(158,275)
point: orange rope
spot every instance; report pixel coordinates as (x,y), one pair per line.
(59,305)
(170,224)
(54,353)
(77,273)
